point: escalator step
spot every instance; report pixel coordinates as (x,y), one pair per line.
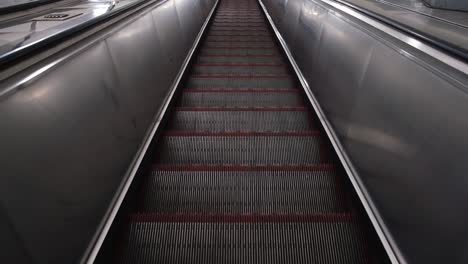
(239,24)
(329,242)
(219,41)
(240,59)
(240,81)
(242,189)
(236,98)
(253,148)
(226,50)
(220,37)
(240,68)
(241,28)
(239,44)
(231,119)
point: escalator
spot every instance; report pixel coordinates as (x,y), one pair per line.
(243,172)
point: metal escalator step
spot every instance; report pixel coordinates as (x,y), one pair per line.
(155,240)
(255,21)
(238,41)
(229,119)
(252,190)
(242,28)
(239,14)
(240,68)
(240,81)
(239,44)
(252,148)
(239,51)
(260,35)
(240,34)
(240,59)
(238,17)
(237,98)
(239,24)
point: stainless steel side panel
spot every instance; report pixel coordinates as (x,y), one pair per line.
(70,128)
(400,116)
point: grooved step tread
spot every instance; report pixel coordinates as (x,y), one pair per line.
(265,192)
(240,120)
(240,99)
(230,148)
(240,59)
(240,82)
(252,68)
(193,242)
(238,51)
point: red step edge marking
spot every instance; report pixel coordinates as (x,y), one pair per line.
(240,91)
(242,218)
(236,48)
(240,167)
(239,35)
(242,30)
(177,133)
(241,76)
(237,24)
(241,56)
(241,109)
(224,12)
(236,10)
(239,65)
(238,18)
(240,21)
(239,41)
(238,13)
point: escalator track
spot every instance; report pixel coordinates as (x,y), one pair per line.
(243,172)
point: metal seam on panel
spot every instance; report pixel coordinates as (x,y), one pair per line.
(94,252)
(364,197)
(413,42)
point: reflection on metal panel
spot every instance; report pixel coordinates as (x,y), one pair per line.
(30,31)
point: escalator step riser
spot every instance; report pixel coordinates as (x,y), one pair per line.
(239,44)
(241,120)
(243,28)
(254,150)
(224,41)
(240,24)
(244,99)
(245,69)
(259,192)
(269,243)
(239,51)
(237,39)
(240,59)
(239,19)
(241,83)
